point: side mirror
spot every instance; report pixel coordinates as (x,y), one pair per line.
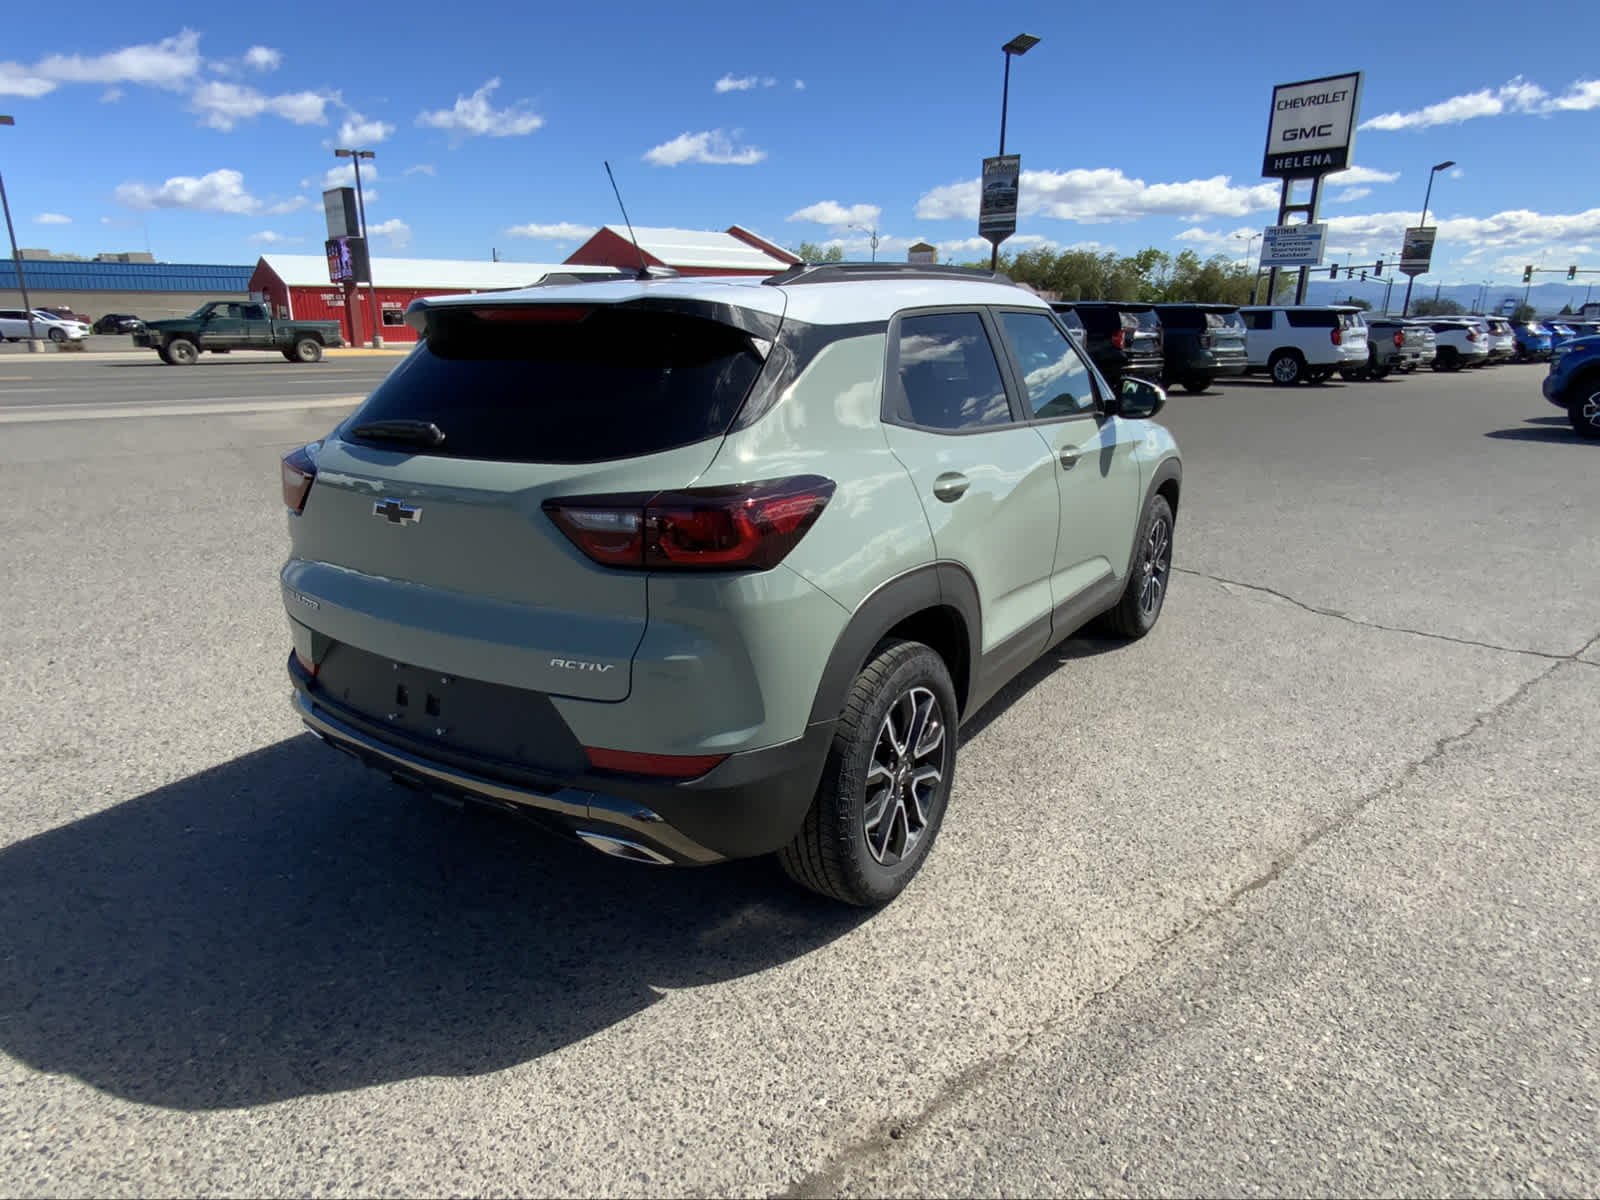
(1138,399)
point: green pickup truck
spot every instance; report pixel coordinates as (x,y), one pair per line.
(224,325)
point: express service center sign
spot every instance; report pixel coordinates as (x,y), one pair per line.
(1313,127)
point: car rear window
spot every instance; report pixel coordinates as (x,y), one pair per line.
(1144,319)
(1313,318)
(576,385)
(1350,320)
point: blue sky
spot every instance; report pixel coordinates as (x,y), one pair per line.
(211,136)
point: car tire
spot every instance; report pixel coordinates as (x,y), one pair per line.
(182,352)
(1448,359)
(898,726)
(161,353)
(1149,573)
(1352,374)
(308,350)
(57,336)
(1377,372)
(1287,367)
(1583,410)
(1195,385)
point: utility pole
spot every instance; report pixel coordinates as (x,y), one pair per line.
(34,344)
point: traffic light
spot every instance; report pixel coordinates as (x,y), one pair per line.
(1572,272)
(1378,268)
(1333,272)
(1527,273)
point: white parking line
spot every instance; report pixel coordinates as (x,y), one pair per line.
(43,413)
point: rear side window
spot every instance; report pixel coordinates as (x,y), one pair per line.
(1181,318)
(1314,318)
(948,375)
(573,385)
(1258,320)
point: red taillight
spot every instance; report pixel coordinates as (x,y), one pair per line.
(1399,339)
(1119,338)
(750,527)
(299,471)
(1338,337)
(310,667)
(1204,340)
(665,766)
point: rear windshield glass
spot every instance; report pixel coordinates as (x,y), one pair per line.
(1145,319)
(1313,318)
(1349,320)
(590,386)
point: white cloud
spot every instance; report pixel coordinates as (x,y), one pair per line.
(263,58)
(1102,194)
(267,238)
(710,146)
(344,175)
(218,191)
(52,219)
(18,80)
(1352,175)
(561,231)
(111,95)
(292,204)
(730,83)
(1350,194)
(1579,97)
(421,169)
(831,212)
(356,130)
(395,231)
(1233,241)
(799,85)
(224,105)
(1521,229)
(1517,96)
(169,63)
(473,116)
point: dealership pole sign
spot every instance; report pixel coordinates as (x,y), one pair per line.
(1416,252)
(1312,130)
(1293,245)
(997,210)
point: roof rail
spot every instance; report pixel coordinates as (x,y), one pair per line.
(838,271)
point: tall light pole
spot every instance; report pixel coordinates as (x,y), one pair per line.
(872,237)
(34,344)
(1405,308)
(355,157)
(1020,44)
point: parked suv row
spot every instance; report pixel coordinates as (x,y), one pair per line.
(1304,343)
(577,555)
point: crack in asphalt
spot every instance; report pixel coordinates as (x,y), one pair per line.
(825,1181)
(1346,617)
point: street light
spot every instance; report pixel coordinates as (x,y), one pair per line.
(872,236)
(1405,308)
(1020,44)
(355,157)
(34,344)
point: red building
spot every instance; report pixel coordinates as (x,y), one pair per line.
(296,285)
(687,251)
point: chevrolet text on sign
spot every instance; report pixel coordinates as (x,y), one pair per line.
(1313,126)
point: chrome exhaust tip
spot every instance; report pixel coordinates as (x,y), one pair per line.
(622,848)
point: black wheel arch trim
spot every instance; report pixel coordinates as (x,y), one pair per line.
(938,585)
(1168,470)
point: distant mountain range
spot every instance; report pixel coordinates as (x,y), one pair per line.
(1546,298)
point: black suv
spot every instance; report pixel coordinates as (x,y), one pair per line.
(1203,343)
(1122,337)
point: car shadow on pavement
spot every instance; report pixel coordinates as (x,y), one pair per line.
(1540,429)
(1079,645)
(290,924)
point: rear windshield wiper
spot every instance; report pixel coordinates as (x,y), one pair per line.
(409,433)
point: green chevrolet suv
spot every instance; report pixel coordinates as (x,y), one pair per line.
(699,569)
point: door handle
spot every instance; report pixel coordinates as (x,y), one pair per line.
(1069,457)
(951,486)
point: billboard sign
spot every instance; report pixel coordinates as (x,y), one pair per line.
(1312,130)
(997,208)
(347,260)
(339,206)
(1416,252)
(1293,245)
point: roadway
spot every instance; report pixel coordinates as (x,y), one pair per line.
(1297,895)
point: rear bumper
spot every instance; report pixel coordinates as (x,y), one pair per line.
(752,803)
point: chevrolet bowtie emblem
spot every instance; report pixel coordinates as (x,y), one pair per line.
(397,512)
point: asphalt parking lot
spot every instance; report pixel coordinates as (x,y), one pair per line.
(1297,895)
